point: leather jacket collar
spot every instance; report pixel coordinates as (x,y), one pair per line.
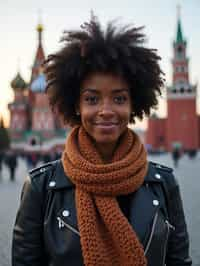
(62,181)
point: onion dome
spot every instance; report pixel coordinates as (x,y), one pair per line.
(39,27)
(18,82)
(39,84)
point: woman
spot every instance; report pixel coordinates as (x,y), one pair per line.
(103,203)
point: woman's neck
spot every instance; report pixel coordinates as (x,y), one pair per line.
(106,151)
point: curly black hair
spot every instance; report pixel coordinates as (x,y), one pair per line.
(116,50)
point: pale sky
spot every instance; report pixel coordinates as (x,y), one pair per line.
(18,37)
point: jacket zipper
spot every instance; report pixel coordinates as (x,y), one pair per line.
(169,226)
(61,224)
(151,235)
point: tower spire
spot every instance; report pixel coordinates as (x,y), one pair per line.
(39,27)
(40,56)
(178,10)
(179,34)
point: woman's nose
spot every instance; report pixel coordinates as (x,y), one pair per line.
(106,109)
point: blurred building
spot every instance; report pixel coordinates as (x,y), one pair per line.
(33,127)
(181,127)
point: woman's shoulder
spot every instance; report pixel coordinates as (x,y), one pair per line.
(50,176)
(161,173)
(39,177)
(43,169)
(36,181)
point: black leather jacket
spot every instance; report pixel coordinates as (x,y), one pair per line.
(46,231)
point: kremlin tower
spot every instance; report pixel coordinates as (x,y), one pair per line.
(33,127)
(181,127)
(182,122)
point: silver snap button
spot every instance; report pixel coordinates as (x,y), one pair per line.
(52,184)
(147,185)
(155,202)
(42,170)
(158,166)
(158,176)
(65,213)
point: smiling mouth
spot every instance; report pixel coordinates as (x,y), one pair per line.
(106,124)
(106,127)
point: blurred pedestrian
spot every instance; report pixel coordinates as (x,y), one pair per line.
(176,155)
(31,160)
(192,154)
(46,157)
(103,203)
(1,163)
(57,155)
(11,162)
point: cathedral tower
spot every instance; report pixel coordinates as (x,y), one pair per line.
(40,56)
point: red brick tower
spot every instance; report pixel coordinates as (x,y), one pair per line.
(182,122)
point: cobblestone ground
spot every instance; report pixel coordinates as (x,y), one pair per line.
(187,173)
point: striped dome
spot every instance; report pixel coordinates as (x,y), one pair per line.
(39,84)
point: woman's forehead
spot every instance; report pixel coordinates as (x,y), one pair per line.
(105,90)
(98,80)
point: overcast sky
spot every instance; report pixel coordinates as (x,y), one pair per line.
(19,18)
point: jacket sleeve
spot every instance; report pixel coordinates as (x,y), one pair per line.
(27,243)
(178,242)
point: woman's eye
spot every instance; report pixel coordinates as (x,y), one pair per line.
(120,99)
(91,99)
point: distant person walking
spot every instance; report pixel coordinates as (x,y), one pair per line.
(31,160)
(11,162)
(176,155)
(1,162)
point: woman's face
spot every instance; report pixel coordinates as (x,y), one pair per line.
(105,107)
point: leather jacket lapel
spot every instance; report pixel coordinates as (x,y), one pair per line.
(142,212)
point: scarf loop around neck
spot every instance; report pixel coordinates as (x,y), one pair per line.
(107,238)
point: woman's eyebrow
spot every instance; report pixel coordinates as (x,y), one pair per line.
(89,90)
(120,90)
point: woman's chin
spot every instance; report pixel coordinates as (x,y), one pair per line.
(107,140)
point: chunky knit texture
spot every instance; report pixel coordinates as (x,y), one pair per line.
(107,238)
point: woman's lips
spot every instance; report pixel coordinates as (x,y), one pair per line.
(106,123)
(106,126)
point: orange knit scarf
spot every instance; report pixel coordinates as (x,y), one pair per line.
(107,238)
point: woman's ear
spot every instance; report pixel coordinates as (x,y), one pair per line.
(77,110)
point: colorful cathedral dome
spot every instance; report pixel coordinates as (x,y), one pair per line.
(18,82)
(39,84)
